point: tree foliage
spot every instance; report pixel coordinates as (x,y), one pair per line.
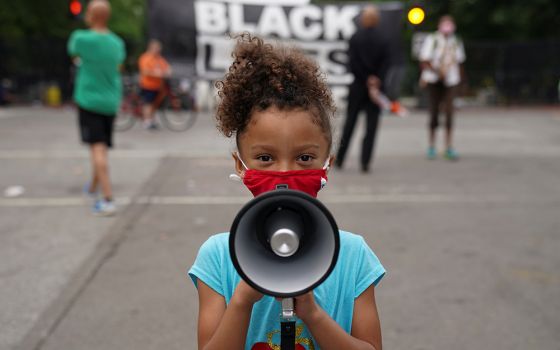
(33,32)
(20,19)
(511,20)
(500,20)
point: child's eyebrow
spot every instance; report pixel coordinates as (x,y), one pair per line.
(260,146)
(271,147)
(310,145)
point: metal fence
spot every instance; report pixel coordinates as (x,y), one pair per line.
(505,73)
(516,72)
(29,65)
(502,73)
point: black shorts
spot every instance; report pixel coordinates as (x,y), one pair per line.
(148,96)
(95,127)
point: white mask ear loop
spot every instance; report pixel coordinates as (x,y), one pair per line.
(241,160)
(327,165)
(235,177)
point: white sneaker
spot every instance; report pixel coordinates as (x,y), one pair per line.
(104,208)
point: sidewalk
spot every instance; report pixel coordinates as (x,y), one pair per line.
(470,247)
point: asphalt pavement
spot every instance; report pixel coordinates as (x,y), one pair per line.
(471,247)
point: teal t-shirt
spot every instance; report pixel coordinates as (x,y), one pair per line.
(357,268)
(98,86)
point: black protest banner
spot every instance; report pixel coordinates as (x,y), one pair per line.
(196,33)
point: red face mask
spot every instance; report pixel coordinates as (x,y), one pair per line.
(310,181)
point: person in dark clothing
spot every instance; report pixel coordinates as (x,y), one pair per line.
(368,60)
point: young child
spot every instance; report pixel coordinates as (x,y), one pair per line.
(276,103)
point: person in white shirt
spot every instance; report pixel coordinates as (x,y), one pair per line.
(441,58)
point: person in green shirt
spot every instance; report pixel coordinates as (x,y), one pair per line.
(98,53)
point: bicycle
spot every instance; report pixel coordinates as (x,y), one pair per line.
(175,106)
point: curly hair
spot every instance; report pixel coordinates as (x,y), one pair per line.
(263,76)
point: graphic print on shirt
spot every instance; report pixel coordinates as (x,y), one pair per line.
(301,342)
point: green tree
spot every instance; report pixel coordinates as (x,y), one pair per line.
(497,19)
(33,32)
(49,19)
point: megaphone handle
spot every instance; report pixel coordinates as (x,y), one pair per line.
(287,308)
(288,325)
(287,335)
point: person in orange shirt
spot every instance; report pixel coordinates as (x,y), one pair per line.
(153,70)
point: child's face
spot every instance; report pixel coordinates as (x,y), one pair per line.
(282,140)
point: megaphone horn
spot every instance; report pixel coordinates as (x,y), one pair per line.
(284,243)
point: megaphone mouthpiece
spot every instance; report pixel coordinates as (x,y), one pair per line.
(284,229)
(284,242)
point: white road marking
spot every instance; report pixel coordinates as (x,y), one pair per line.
(54,202)
(194,200)
(230,200)
(39,154)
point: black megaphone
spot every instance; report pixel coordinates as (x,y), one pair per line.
(284,243)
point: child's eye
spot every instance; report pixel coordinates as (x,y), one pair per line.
(306,158)
(264,158)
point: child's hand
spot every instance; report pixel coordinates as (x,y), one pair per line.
(306,308)
(245,294)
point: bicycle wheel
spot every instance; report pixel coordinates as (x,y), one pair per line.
(125,118)
(178,113)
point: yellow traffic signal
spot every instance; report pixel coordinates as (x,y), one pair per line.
(416,15)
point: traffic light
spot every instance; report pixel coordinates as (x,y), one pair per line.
(75,9)
(416,15)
